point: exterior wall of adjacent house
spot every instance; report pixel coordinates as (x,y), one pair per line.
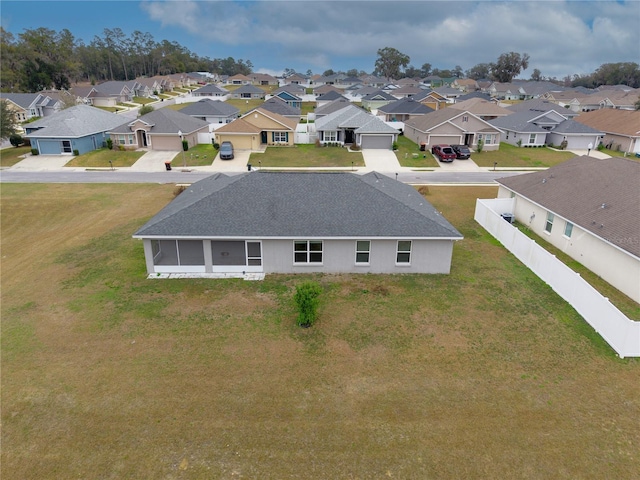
(622,143)
(242,141)
(104,101)
(614,265)
(449,134)
(573,141)
(512,138)
(54,146)
(339,256)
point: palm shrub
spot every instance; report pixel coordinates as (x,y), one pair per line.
(306,298)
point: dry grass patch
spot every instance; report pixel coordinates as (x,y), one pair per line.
(484,373)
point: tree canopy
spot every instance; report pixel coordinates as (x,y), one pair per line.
(508,66)
(391,62)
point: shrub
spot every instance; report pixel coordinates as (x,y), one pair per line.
(355,147)
(318,143)
(34,151)
(109,143)
(76,152)
(394,146)
(121,148)
(15,139)
(185,145)
(144,110)
(519,143)
(216,145)
(306,298)
(480,145)
(178,190)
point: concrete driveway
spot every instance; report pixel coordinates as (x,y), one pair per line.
(40,163)
(153,161)
(238,164)
(380,160)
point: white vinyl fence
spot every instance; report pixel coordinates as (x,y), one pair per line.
(618,331)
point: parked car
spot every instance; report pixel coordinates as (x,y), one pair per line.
(226,151)
(462,151)
(444,153)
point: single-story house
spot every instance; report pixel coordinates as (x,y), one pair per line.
(162,129)
(588,208)
(290,99)
(331,107)
(30,105)
(432,99)
(248,91)
(263,79)
(257,129)
(212,111)
(452,127)
(279,106)
(82,128)
(210,90)
(406,91)
(238,79)
(484,109)
(621,128)
(328,98)
(361,224)
(322,89)
(374,101)
(353,125)
(403,109)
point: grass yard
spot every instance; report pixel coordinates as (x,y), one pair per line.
(513,156)
(200,155)
(12,155)
(483,373)
(406,151)
(307,156)
(617,153)
(307,107)
(100,159)
(245,104)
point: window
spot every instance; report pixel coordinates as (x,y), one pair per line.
(254,253)
(488,139)
(363,249)
(124,139)
(280,136)
(532,138)
(403,254)
(330,136)
(549,225)
(307,251)
(66,146)
(568,229)
(465,118)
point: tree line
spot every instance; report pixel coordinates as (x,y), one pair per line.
(42,58)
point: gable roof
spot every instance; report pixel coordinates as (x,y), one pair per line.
(279,106)
(428,122)
(352,206)
(211,88)
(244,124)
(331,107)
(74,122)
(356,118)
(527,121)
(24,100)
(577,190)
(249,89)
(380,96)
(293,88)
(209,107)
(405,106)
(330,96)
(614,121)
(479,106)
(165,120)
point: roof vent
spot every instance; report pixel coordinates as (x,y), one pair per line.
(604,205)
(544,180)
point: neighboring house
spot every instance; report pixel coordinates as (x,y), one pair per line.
(263,79)
(465,85)
(433,81)
(328,98)
(589,209)
(162,129)
(402,110)
(108,94)
(290,99)
(27,105)
(621,128)
(257,129)
(452,127)
(353,125)
(359,92)
(406,91)
(292,88)
(432,99)
(542,105)
(375,100)
(210,90)
(279,106)
(484,109)
(535,128)
(322,89)
(239,79)
(449,93)
(373,81)
(322,222)
(82,128)
(248,92)
(155,85)
(212,111)
(297,79)
(331,107)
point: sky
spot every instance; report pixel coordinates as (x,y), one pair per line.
(562,37)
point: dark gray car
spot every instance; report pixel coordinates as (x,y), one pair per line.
(226,151)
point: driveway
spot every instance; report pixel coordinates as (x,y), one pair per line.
(467,165)
(380,160)
(40,163)
(153,161)
(238,164)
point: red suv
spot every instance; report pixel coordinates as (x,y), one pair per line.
(444,153)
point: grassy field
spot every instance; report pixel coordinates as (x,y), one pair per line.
(512,156)
(244,105)
(483,373)
(307,156)
(200,155)
(100,159)
(12,155)
(406,151)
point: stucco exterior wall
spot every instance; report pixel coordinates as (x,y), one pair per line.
(620,269)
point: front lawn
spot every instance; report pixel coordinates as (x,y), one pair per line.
(245,104)
(618,153)
(200,155)
(483,373)
(307,107)
(409,155)
(306,156)
(143,100)
(100,158)
(12,155)
(513,156)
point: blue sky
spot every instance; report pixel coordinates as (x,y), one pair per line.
(561,37)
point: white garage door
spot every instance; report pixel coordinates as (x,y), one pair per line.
(376,141)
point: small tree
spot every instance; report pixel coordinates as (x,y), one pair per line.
(144,110)
(480,145)
(15,140)
(306,298)
(109,143)
(185,145)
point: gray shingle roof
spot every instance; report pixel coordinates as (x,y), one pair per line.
(519,122)
(208,107)
(75,122)
(279,106)
(379,95)
(330,96)
(298,205)
(577,189)
(353,117)
(165,120)
(210,88)
(249,89)
(571,126)
(406,106)
(22,99)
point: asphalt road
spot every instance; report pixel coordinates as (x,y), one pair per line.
(105,176)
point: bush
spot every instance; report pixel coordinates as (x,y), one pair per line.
(109,143)
(519,143)
(354,147)
(185,145)
(318,143)
(479,148)
(306,298)
(34,151)
(216,145)
(144,110)
(76,152)
(15,139)
(394,146)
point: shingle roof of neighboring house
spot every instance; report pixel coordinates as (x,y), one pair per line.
(577,190)
(356,118)
(113,87)
(444,91)
(481,107)
(331,107)
(425,123)
(609,120)
(249,89)
(406,106)
(211,88)
(470,95)
(75,122)
(208,107)
(165,120)
(540,105)
(242,125)
(321,89)
(329,96)
(428,93)
(571,126)
(293,88)
(343,205)
(23,100)
(523,122)
(279,106)
(380,95)
(409,90)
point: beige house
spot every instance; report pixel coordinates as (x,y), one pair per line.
(452,127)
(621,128)
(589,209)
(258,129)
